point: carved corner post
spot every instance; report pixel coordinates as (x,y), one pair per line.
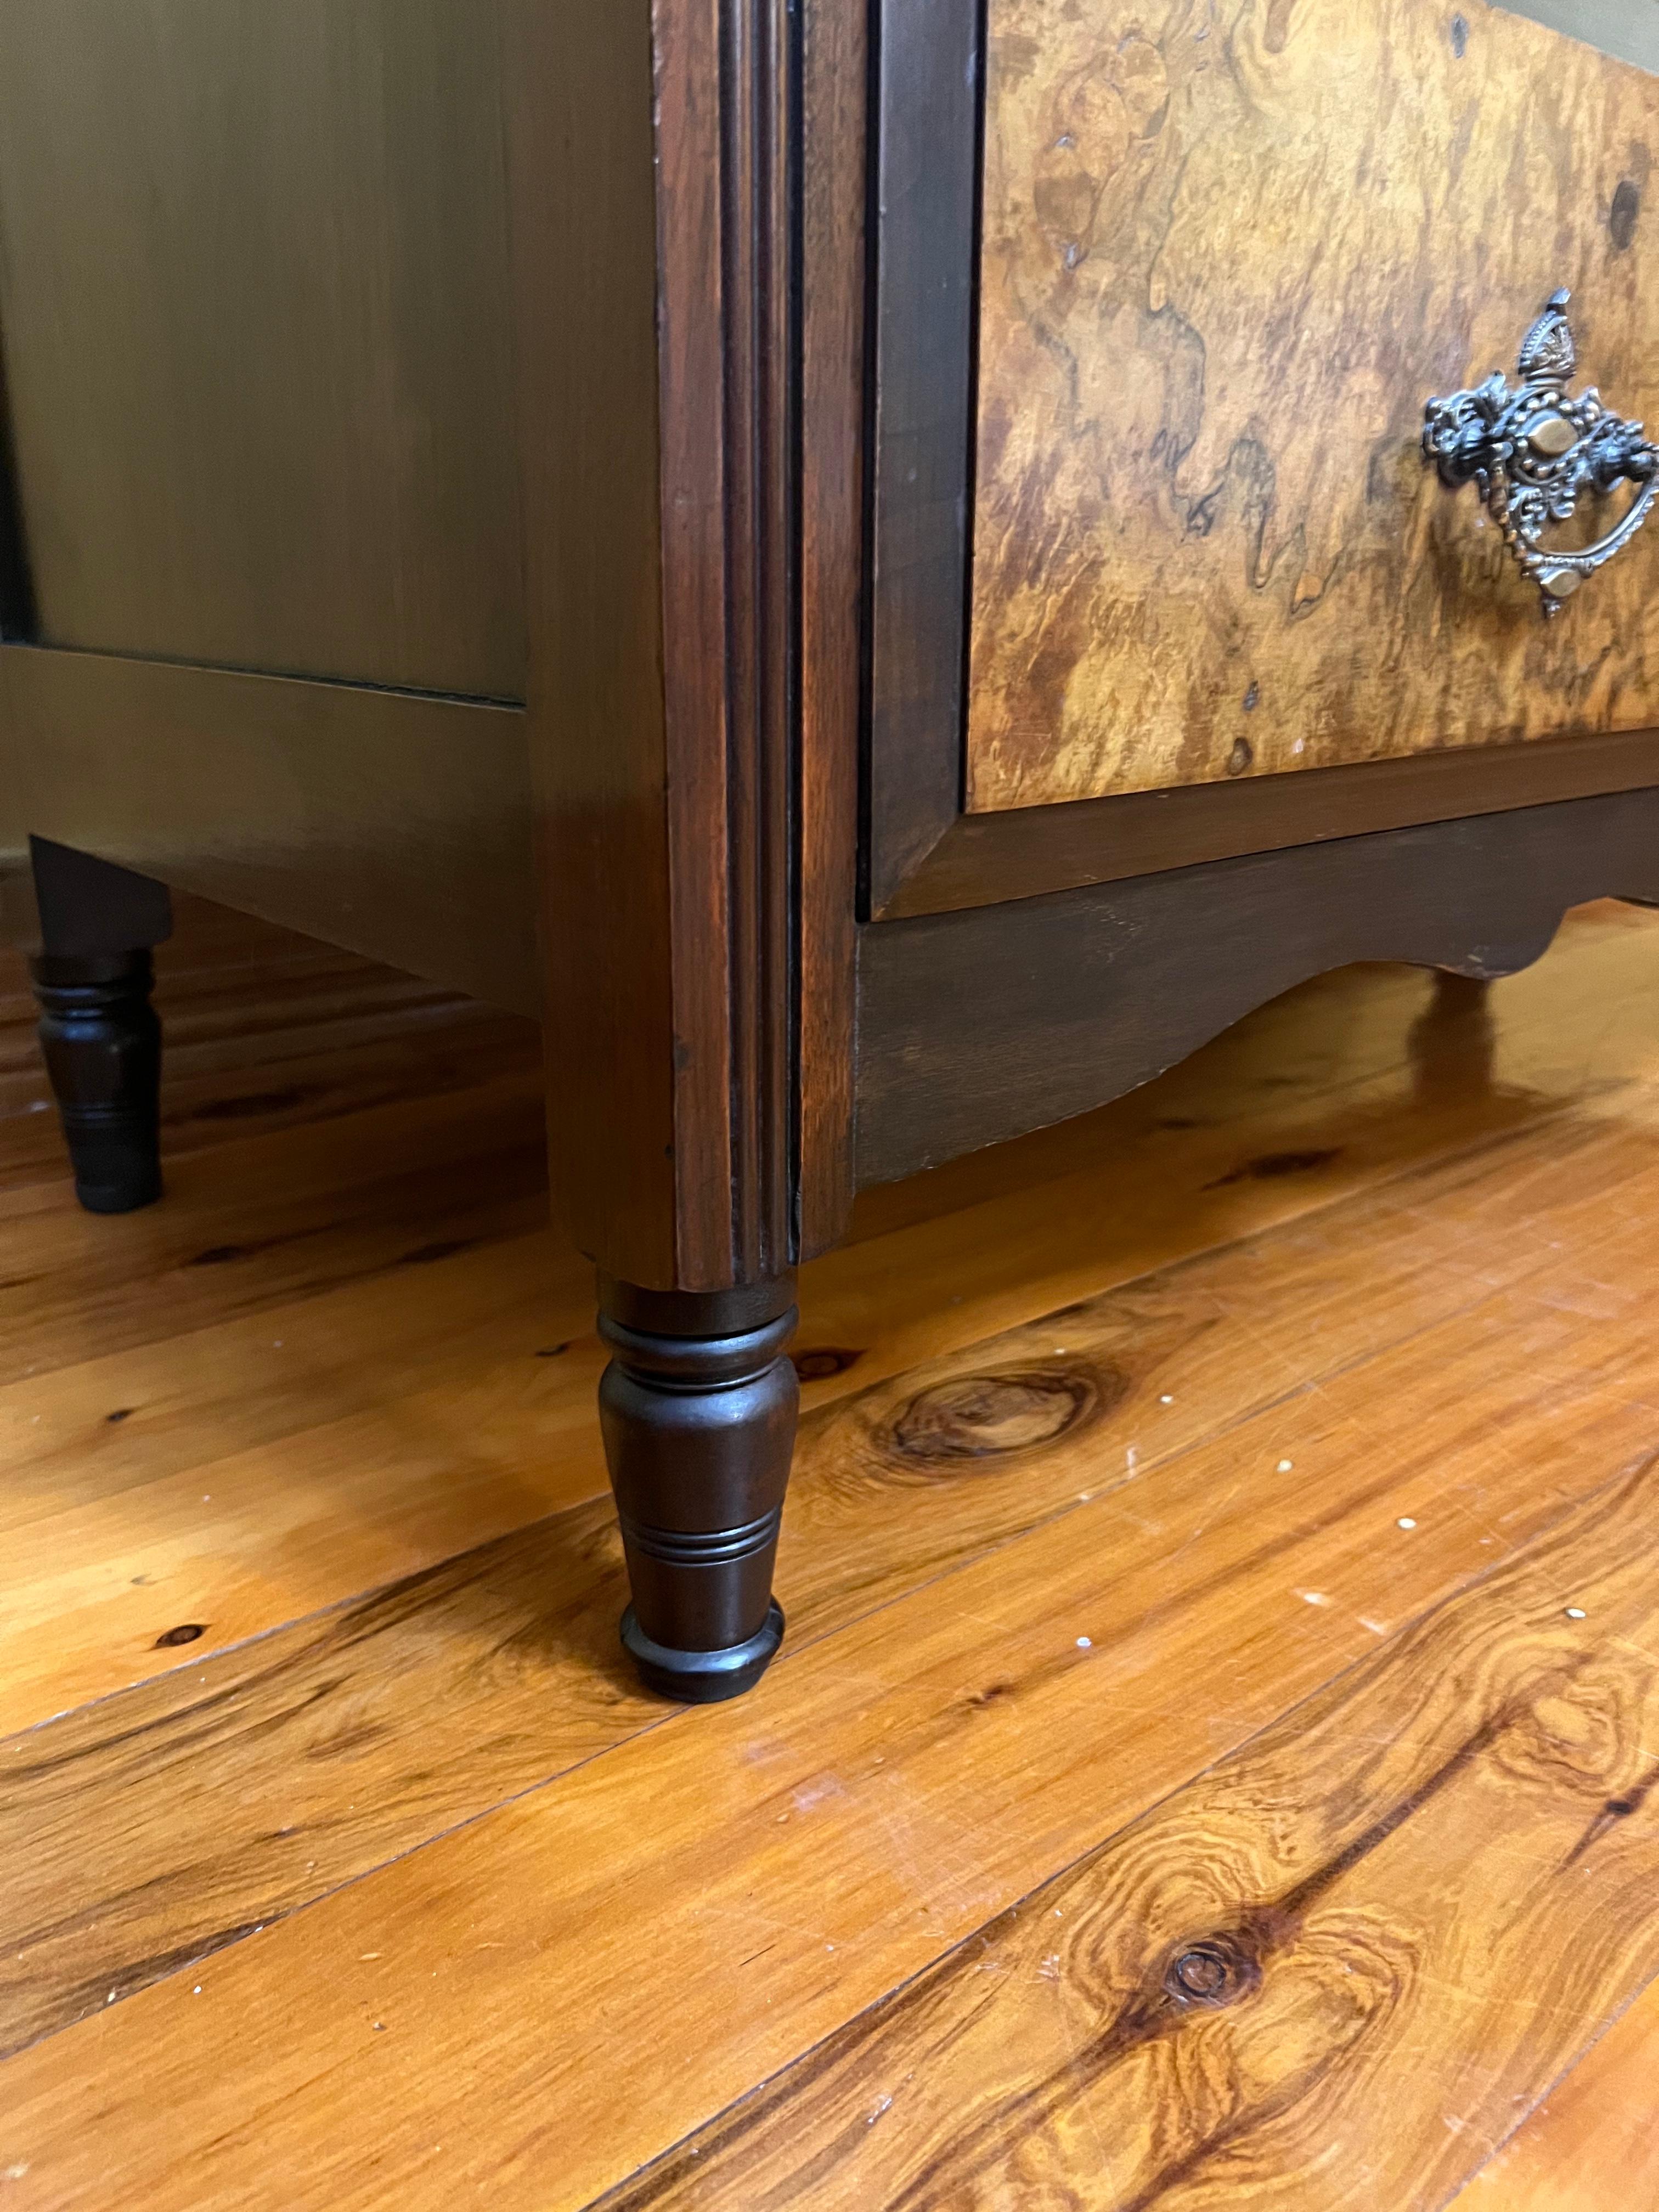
(652,153)
(98,1030)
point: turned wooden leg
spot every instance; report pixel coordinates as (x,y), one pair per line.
(698,1407)
(103,1047)
(102,1042)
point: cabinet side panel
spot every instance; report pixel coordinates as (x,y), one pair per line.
(580,153)
(254,305)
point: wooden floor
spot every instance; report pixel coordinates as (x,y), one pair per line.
(1211,1762)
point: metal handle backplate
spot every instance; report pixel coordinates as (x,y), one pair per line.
(1534,453)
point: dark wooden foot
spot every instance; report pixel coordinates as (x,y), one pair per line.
(103,1048)
(698,1407)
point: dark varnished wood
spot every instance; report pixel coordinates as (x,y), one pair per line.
(662,581)
(726,207)
(255,299)
(577,92)
(974,1026)
(395,824)
(664,711)
(18,917)
(698,1407)
(84,908)
(834,61)
(17,612)
(92,974)
(369,1130)
(102,1043)
(984,859)
(928,104)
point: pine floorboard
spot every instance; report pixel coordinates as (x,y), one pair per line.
(1594,2140)
(1099,1592)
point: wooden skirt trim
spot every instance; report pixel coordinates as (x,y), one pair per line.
(978,1026)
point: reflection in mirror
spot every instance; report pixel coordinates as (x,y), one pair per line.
(1626,29)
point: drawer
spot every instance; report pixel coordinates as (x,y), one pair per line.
(1227,249)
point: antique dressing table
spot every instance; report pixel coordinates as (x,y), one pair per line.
(886,567)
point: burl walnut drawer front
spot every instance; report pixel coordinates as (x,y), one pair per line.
(1230,250)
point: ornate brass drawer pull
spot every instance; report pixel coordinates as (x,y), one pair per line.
(1534,453)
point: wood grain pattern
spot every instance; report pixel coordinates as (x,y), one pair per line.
(1476,1339)
(268,1030)
(725,89)
(1357,1079)
(1594,2139)
(249,1750)
(254,288)
(1256,1988)
(833,68)
(1231,246)
(662,574)
(344,1204)
(898,1788)
(975,1025)
(985,859)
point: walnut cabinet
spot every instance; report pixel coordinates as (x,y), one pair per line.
(884,567)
